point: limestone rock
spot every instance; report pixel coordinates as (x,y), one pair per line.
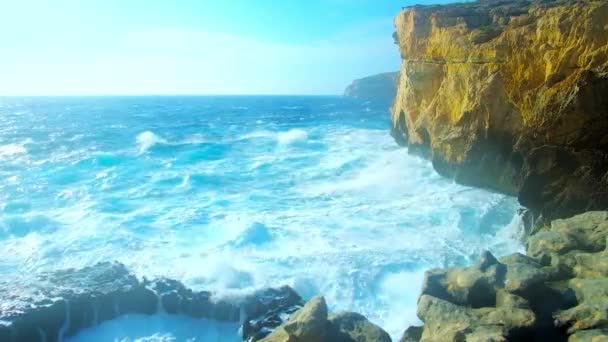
(312,324)
(584,233)
(510,95)
(445,321)
(596,335)
(412,334)
(309,324)
(475,286)
(559,291)
(592,310)
(353,327)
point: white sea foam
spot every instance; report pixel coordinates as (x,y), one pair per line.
(159,328)
(9,150)
(257,134)
(292,136)
(147,139)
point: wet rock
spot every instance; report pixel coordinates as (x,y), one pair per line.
(309,324)
(412,334)
(267,310)
(59,304)
(312,324)
(596,335)
(445,321)
(592,309)
(591,265)
(585,232)
(557,292)
(475,286)
(525,274)
(353,327)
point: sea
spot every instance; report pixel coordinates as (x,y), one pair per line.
(234,193)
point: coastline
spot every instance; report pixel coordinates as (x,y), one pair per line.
(472,100)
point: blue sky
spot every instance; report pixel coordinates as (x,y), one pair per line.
(194,47)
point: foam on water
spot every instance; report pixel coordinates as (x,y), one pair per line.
(292,136)
(160,328)
(306,191)
(9,150)
(147,139)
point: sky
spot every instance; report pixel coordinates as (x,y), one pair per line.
(133,47)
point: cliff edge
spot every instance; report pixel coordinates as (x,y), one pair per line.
(510,95)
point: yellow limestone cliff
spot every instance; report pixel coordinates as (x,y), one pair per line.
(510,95)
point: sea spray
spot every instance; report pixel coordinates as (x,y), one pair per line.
(319,197)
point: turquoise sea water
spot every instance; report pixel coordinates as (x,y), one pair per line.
(230,194)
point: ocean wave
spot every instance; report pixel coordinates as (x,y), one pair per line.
(292,136)
(147,139)
(351,216)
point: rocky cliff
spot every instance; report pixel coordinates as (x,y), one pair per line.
(381,87)
(510,95)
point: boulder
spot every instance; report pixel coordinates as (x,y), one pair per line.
(585,233)
(596,335)
(445,321)
(353,327)
(558,291)
(309,324)
(412,334)
(312,324)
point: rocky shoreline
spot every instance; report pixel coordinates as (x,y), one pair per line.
(558,292)
(510,96)
(59,304)
(62,303)
(503,94)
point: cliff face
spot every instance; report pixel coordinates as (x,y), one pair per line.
(382,87)
(510,95)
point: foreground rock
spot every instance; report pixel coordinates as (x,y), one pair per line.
(313,324)
(59,304)
(557,293)
(381,88)
(510,95)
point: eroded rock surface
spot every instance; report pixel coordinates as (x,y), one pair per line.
(510,95)
(59,304)
(557,293)
(312,323)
